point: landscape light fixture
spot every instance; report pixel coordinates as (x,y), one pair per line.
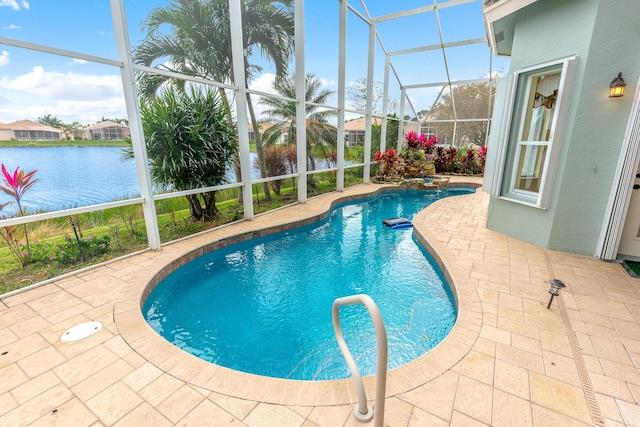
(556,285)
(616,87)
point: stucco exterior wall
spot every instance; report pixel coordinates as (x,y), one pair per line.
(590,144)
(599,126)
(6,134)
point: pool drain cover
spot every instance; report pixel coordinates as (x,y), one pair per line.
(81,331)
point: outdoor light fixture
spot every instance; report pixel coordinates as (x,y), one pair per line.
(616,88)
(556,285)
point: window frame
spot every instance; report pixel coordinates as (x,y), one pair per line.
(510,145)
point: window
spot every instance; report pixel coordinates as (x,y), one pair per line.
(534,132)
(427,130)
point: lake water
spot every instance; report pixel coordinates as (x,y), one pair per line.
(76,176)
(71,176)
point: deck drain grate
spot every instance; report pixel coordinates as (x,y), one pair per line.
(81,331)
(583,372)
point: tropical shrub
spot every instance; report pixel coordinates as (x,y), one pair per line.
(190,142)
(276,159)
(388,162)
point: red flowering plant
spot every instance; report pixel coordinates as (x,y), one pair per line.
(446,159)
(414,141)
(16,184)
(468,162)
(387,161)
(482,157)
(420,142)
(430,143)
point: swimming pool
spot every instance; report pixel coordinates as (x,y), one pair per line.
(268,310)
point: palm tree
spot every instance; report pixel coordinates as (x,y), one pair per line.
(199,44)
(50,120)
(321,136)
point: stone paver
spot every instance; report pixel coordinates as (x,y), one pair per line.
(508,361)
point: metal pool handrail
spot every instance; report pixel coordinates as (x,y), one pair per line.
(362,412)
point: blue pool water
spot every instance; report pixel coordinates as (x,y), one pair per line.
(264,306)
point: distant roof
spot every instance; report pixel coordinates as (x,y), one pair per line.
(358,124)
(106,123)
(28,125)
(263,126)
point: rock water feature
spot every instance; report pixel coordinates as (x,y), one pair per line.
(417,173)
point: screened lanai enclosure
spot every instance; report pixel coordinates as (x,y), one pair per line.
(356,76)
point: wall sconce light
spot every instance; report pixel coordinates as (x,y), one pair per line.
(556,285)
(616,88)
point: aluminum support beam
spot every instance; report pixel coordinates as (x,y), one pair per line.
(235,21)
(61,52)
(301,110)
(423,9)
(438,46)
(367,130)
(403,95)
(385,102)
(342,55)
(135,123)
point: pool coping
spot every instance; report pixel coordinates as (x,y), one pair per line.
(147,343)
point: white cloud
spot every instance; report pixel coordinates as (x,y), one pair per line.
(13,4)
(76,86)
(327,83)
(85,112)
(69,96)
(264,83)
(4,58)
(12,27)
(77,61)
(91,111)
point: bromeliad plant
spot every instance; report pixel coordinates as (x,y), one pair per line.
(16,184)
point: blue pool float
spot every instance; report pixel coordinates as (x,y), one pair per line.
(394,223)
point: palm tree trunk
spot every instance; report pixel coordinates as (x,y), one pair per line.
(236,156)
(211,210)
(256,132)
(195,209)
(259,149)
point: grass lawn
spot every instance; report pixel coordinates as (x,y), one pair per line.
(52,241)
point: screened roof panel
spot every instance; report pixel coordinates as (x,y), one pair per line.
(420,67)
(462,22)
(468,62)
(379,8)
(409,32)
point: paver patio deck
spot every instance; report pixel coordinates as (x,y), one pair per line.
(508,360)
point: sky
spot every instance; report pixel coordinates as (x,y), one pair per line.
(34,84)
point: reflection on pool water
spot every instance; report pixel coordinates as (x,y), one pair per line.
(264,306)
